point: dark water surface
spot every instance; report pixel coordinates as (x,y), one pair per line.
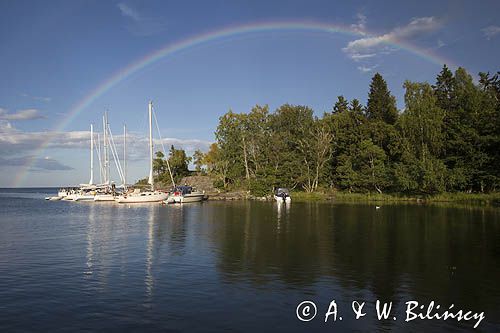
(240,266)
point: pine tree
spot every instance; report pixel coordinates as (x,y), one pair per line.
(381,104)
(444,89)
(341,105)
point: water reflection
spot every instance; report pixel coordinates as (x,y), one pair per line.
(282,209)
(149,281)
(395,253)
(90,242)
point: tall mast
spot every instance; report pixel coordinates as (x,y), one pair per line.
(91,154)
(151,180)
(108,165)
(99,157)
(124,155)
(105,148)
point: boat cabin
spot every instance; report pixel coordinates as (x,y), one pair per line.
(182,190)
(282,192)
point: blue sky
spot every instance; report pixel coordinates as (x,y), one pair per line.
(54,54)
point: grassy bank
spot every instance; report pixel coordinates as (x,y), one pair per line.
(470,198)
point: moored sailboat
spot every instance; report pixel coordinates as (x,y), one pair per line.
(152,195)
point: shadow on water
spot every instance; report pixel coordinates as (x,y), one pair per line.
(396,253)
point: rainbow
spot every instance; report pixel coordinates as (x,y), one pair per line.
(208,37)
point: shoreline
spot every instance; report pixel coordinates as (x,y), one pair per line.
(479,199)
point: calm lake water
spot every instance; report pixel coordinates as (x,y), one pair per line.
(240,266)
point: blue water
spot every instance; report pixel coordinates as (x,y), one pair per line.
(239,266)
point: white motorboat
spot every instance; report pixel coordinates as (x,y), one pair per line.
(54,198)
(82,192)
(282,194)
(185,194)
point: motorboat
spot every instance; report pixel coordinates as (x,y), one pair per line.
(185,194)
(54,198)
(282,194)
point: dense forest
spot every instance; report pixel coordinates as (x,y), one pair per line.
(446,139)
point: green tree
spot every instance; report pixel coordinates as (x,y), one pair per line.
(348,128)
(444,89)
(198,161)
(381,104)
(316,151)
(217,166)
(179,162)
(159,164)
(373,171)
(289,125)
(421,127)
(341,105)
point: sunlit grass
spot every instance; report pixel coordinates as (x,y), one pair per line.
(472,198)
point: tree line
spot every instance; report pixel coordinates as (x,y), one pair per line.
(447,138)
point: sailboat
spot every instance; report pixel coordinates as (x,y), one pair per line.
(107,192)
(147,196)
(88,191)
(85,191)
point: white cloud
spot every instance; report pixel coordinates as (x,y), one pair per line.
(491,31)
(38,98)
(360,26)
(141,24)
(137,145)
(14,142)
(375,44)
(27,114)
(35,163)
(127,11)
(358,56)
(367,69)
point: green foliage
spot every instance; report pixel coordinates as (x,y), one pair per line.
(445,139)
(198,161)
(179,162)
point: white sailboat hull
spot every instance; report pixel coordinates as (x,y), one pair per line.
(84,197)
(142,197)
(104,197)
